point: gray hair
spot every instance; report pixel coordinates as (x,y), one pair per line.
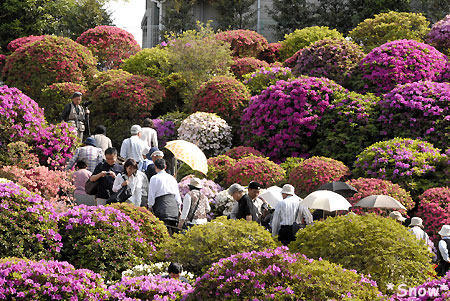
(235,188)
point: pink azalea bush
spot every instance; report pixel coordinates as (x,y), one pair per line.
(103,239)
(24,279)
(439,35)
(282,120)
(291,62)
(2,62)
(50,60)
(149,288)
(110,45)
(258,169)
(240,152)
(277,274)
(367,187)
(218,168)
(331,58)
(19,42)
(399,62)
(223,95)
(433,289)
(265,77)
(271,54)
(244,43)
(245,65)
(315,171)
(417,110)
(29,224)
(434,209)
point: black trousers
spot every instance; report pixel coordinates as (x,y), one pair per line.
(286,235)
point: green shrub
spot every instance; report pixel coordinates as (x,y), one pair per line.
(153,62)
(370,244)
(201,245)
(390,26)
(302,38)
(105,76)
(290,164)
(259,80)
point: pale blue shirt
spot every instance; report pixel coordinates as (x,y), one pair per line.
(134,148)
(161,184)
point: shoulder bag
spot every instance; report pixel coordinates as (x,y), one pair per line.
(90,187)
(123,194)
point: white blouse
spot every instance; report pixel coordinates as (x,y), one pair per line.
(138,184)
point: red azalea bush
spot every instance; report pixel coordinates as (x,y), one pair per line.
(439,35)
(19,42)
(48,61)
(110,45)
(315,171)
(331,58)
(434,209)
(258,169)
(222,95)
(399,62)
(281,121)
(417,110)
(2,63)
(244,42)
(271,54)
(292,61)
(245,65)
(367,187)
(240,152)
(56,96)
(218,168)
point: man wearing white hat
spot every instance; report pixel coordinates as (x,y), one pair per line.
(397,216)
(287,213)
(134,147)
(195,205)
(444,244)
(416,228)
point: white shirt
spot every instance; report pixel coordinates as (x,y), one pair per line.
(187,206)
(138,184)
(161,184)
(420,234)
(134,148)
(284,214)
(443,248)
(149,136)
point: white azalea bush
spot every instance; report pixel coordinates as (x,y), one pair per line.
(208,131)
(154,269)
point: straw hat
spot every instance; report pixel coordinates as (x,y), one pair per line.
(288,189)
(397,216)
(195,182)
(445,231)
(416,221)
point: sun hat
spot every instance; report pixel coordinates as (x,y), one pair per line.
(397,216)
(150,152)
(135,129)
(158,153)
(288,189)
(90,141)
(195,182)
(416,221)
(445,230)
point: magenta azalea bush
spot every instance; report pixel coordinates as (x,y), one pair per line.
(44,62)
(165,130)
(434,209)
(367,187)
(399,62)
(103,239)
(23,279)
(331,58)
(244,43)
(315,171)
(258,169)
(439,35)
(223,95)
(19,42)
(29,224)
(417,110)
(149,288)
(246,65)
(276,274)
(218,168)
(240,152)
(265,77)
(110,45)
(281,121)
(433,289)
(210,189)
(271,54)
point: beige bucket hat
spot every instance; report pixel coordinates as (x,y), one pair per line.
(397,216)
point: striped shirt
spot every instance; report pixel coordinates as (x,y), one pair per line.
(284,214)
(89,154)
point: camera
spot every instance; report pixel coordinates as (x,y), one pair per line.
(87,103)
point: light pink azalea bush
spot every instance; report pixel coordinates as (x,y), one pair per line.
(19,42)
(240,152)
(245,65)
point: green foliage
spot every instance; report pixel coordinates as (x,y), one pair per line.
(369,244)
(104,76)
(302,38)
(185,170)
(238,14)
(152,62)
(388,27)
(289,164)
(258,81)
(178,17)
(174,84)
(201,245)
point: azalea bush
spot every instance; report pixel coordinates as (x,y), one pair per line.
(240,152)
(223,95)
(265,77)
(19,42)
(154,269)
(222,204)
(258,169)
(399,62)
(271,54)
(434,210)
(390,26)
(304,37)
(244,43)
(218,168)
(432,289)
(165,131)
(210,189)
(102,77)
(331,58)
(315,171)
(246,65)
(20,155)
(348,126)
(24,279)
(367,187)
(44,62)
(110,45)
(290,62)
(201,246)
(29,224)
(103,239)
(153,62)
(417,110)
(208,131)
(56,96)
(152,228)
(282,120)
(289,164)
(277,274)
(396,256)
(439,35)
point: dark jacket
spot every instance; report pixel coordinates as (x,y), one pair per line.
(105,184)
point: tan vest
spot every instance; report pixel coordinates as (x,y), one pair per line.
(201,199)
(76,119)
